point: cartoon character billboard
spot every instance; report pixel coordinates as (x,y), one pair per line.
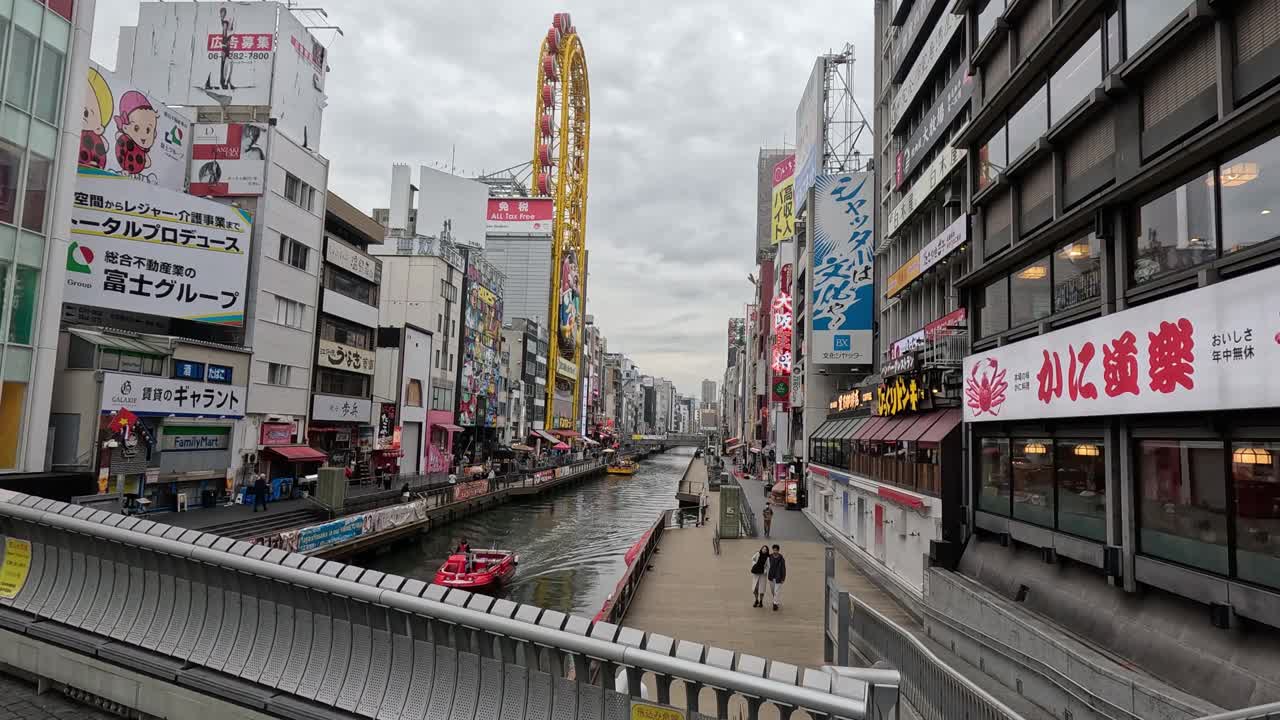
(125,131)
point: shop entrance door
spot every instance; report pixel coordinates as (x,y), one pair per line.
(879,531)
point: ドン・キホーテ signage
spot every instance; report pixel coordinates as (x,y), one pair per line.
(902,394)
(1215,348)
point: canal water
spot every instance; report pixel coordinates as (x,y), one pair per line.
(571,542)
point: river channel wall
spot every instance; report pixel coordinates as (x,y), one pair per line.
(366,531)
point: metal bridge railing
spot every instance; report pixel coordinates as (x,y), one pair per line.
(291,634)
(932,687)
(1270,711)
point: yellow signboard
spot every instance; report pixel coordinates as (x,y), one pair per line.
(784,200)
(902,276)
(646,711)
(17,560)
(898,395)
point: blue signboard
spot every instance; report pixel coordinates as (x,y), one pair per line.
(843,269)
(330,533)
(218,374)
(187,370)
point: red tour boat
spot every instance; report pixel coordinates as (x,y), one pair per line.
(488,569)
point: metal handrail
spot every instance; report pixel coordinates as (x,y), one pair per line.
(1270,711)
(935,689)
(878,681)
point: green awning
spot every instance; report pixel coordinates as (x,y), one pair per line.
(120,342)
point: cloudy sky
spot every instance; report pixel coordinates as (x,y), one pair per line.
(683,94)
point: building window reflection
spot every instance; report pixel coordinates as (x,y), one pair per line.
(994,312)
(1182,508)
(994,495)
(1143,19)
(1081,480)
(1175,231)
(1255,474)
(1077,272)
(1251,197)
(1075,78)
(1032,471)
(1030,293)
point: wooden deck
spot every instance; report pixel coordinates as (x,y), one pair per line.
(693,594)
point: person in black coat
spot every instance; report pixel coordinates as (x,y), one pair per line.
(777,575)
(260,492)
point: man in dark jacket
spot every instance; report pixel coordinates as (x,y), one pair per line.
(260,492)
(777,575)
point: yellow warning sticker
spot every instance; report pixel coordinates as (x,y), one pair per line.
(17,561)
(645,711)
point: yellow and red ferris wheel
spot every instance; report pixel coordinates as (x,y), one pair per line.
(561,145)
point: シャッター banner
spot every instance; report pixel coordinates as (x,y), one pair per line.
(140,248)
(843,269)
(1215,348)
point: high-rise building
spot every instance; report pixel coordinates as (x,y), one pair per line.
(709,397)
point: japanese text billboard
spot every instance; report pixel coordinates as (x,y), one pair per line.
(297,83)
(784,196)
(782,319)
(1209,349)
(125,131)
(519,216)
(842,305)
(228,159)
(810,133)
(206,53)
(144,249)
(148,395)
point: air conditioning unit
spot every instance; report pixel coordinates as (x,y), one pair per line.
(251,458)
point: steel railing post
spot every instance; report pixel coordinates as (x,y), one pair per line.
(842,629)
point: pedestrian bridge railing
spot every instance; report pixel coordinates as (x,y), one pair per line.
(301,637)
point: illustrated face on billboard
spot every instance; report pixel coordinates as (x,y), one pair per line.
(570,306)
(148,139)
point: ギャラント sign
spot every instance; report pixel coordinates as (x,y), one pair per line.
(143,249)
(146,395)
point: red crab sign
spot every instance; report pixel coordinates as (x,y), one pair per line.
(1208,349)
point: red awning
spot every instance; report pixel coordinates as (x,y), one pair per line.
(566,433)
(865,431)
(298,453)
(917,428)
(938,432)
(890,430)
(543,435)
(449,427)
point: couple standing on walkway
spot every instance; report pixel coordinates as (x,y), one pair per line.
(771,566)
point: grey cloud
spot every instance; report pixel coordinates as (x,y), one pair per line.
(683,94)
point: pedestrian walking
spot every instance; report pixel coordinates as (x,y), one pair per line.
(759,566)
(260,492)
(777,575)
(768,517)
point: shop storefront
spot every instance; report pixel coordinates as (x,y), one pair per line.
(340,428)
(1145,443)
(285,462)
(885,473)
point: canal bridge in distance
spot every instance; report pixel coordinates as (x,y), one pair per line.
(172,622)
(669,440)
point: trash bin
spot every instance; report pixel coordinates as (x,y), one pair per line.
(208,498)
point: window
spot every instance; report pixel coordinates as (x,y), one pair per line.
(1182,508)
(1032,471)
(131,362)
(1251,197)
(1077,272)
(22,65)
(994,494)
(294,252)
(1114,54)
(1028,123)
(1082,487)
(987,18)
(289,312)
(10,166)
(278,374)
(37,192)
(80,354)
(299,193)
(1075,78)
(992,158)
(1255,473)
(1029,293)
(439,322)
(356,288)
(337,382)
(22,307)
(1144,18)
(346,333)
(994,311)
(437,359)
(49,87)
(1175,231)
(413,393)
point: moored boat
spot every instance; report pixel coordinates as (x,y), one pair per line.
(622,467)
(488,568)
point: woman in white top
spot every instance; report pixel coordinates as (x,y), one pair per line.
(759,569)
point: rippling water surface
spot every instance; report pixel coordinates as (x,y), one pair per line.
(571,543)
